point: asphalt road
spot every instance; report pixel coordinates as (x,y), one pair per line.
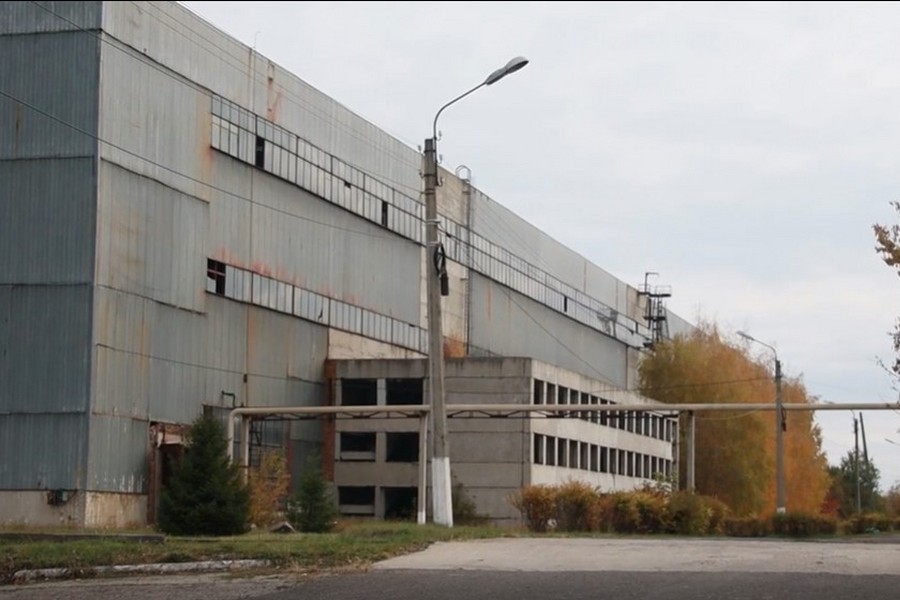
(545,569)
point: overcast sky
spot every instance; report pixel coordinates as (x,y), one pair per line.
(742,151)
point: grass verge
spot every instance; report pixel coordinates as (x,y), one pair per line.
(353,544)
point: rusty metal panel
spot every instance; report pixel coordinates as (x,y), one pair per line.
(47,221)
(118,455)
(151,239)
(51,108)
(304,240)
(43,451)
(508,324)
(28,17)
(172,36)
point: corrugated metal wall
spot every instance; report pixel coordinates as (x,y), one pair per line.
(48,123)
(38,17)
(508,324)
(499,224)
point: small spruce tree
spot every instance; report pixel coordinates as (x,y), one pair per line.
(312,508)
(205,495)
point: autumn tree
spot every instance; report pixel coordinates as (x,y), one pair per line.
(735,451)
(888,246)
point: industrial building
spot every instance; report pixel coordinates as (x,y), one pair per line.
(186,226)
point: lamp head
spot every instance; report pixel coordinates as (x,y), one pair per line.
(511,67)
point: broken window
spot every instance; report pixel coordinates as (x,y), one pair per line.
(359,392)
(357,500)
(400,502)
(357,445)
(215,277)
(405,391)
(402,447)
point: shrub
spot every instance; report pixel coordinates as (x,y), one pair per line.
(799,524)
(576,507)
(205,495)
(746,527)
(869,523)
(312,508)
(625,516)
(537,505)
(464,510)
(269,487)
(652,511)
(718,513)
(688,514)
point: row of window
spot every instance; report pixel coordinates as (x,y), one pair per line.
(253,288)
(639,422)
(399,446)
(254,140)
(573,454)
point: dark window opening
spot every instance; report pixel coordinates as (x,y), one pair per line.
(565,304)
(551,451)
(347,184)
(561,452)
(260,158)
(400,503)
(359,392)
(402,447)
(215,273)
(384,213)
(356,496)
(405,391)
(538,391)
(357,446)
(538,449)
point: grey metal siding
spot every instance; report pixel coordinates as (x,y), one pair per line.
(302,239)
(46,221)
(151,239)
(28,17)
(506,323)
(44,379)
(49,103)
(44,350)
(118,455)
(43,451)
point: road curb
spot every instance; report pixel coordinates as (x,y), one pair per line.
(207,566)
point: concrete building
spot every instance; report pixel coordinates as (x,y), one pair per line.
(493,456)
(186,226)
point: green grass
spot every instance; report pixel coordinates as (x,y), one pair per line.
(353,544)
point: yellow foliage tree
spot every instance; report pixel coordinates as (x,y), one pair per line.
(269,487)
(735,452)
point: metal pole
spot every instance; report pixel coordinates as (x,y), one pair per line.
(442,510)
(779,441)
(245,448)
(692,435)
(423,468)
(856,461)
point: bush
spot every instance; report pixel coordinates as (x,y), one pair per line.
(799,524)
(537,505)
(576,507)
(269,487)
(688,514)
(718,513)
(746,527)
(653,515)
(312,508)
(464,510)
(205,495)
(869,523)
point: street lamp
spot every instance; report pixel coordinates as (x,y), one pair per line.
(779,427)
(436,286)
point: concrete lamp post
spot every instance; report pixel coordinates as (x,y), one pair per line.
(779,427)
(436,286)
